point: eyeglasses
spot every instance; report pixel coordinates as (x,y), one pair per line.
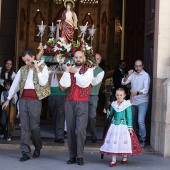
(138,65)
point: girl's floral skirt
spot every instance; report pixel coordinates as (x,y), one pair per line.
(118,141)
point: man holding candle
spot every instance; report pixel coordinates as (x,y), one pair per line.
(32,81)
(77,79)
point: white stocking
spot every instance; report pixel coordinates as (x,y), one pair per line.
(113,158)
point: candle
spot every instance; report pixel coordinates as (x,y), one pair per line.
(52,24)
(86,23)
(93,26)
(41,22)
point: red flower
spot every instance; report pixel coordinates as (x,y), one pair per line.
(73,54)
(53,53)
(57,51)
(58,45)
(94,54)
(66,54)
(47,50)
(51,45)
(87,55)
(81,43)
(72,48)
(78,49)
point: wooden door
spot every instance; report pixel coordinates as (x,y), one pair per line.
(139,40)
(134,31)
(148,53)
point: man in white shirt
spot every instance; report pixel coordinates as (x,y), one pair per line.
(98,73)
(57,102)
(140,82)
(77,80)
(32,81)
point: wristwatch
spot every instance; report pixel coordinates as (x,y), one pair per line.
(137,93)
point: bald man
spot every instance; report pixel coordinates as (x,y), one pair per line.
(140,82)
(77,80)
(98,73)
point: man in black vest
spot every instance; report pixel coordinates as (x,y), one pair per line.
(118,75)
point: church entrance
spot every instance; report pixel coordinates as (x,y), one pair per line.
(125,30)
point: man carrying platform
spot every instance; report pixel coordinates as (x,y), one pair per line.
(32,81)
(77,79)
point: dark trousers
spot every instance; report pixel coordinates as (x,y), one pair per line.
(57,104)
(76,119)
(30,111)
(92,104)
(4,121)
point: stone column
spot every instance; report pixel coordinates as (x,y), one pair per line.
(160,119)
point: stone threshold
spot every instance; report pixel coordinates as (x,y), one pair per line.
(50,145)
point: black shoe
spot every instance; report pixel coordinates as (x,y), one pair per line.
(36,153)
(94,140)
(71,160)
(142,143)
(80,161)
(25,157)
(59,140)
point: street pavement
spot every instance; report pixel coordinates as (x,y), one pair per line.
(54,157)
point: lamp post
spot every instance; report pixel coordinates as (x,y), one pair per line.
(52,30)
(41,30)
(91,32)
(83,31)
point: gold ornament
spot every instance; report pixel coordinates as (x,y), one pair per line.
(65,3)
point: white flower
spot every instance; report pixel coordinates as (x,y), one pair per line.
(60,43)
(45,46)
(67,47)
(50,39)
(56,48)
(88,47)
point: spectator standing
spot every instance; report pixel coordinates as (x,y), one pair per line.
(140,82)
(9,112)
(118,75)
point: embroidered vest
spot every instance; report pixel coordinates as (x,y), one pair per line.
(82,92)
(41,91)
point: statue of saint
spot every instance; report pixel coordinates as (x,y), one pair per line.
(68,22)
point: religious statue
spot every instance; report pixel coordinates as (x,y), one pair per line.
(68,22)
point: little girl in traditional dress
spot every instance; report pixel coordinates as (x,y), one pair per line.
(120,139)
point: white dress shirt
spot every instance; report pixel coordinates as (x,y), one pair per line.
(42,77)
(82,80)
(6,76)
(54,79)
(98,79)
(139,82)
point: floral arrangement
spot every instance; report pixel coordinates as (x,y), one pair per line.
(58,51)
